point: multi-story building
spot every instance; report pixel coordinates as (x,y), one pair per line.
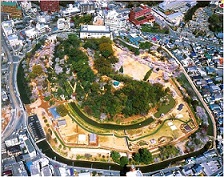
(114,20)
(141,15)
(63,23)
(7,27)
(12,8)
(71,10)
(52,6)
(93,31)
(171,5)
(86,6)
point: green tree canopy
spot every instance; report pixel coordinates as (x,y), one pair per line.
(145,156)
(145,45)
(37,70)
(115,156)
(61,109)
(123,161)
(216,23)
(106,49)
(147,75)
(136,157)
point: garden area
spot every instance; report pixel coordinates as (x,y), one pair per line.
(100,102)
(156,28)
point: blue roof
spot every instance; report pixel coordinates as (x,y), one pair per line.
(219,35)
(197,168)
(54,112)
(209,69)
(28,164)
(71,171)
(193,54)
(209,81)
(214,106)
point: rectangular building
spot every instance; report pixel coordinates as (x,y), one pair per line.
(93,31)
(141,15)
(31,150)
(11,8)
(52,6)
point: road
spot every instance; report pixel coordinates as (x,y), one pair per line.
(17,119)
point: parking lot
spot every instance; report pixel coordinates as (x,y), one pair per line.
(35,128)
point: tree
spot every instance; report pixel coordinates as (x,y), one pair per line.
(216,23)
(121,70)
(136,157)
(37,70)
(113,59)
(145,45)
(123,161)
(147,75)
(115,156)
(106,49)
(136,52)
(61,109)
(145,156)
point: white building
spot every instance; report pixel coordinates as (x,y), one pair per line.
(71,10)
(12,142)
(31,33)
(175,18)
(42,27)
(63,23)
(14,40)
(26,5)
(7,27)
(43,18)
(114,20)
(171,5)
(93,31)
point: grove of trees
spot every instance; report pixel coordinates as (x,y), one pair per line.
(168,151)
(216,22)
(95,95)
(132,99)
(143,156)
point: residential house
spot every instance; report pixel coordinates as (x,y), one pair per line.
(197,169)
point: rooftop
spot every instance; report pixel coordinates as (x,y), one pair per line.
(93,28)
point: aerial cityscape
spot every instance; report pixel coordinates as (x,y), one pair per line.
(111,88)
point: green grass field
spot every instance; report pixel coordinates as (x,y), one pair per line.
(165,108)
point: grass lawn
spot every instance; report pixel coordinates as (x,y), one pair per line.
(165,108)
